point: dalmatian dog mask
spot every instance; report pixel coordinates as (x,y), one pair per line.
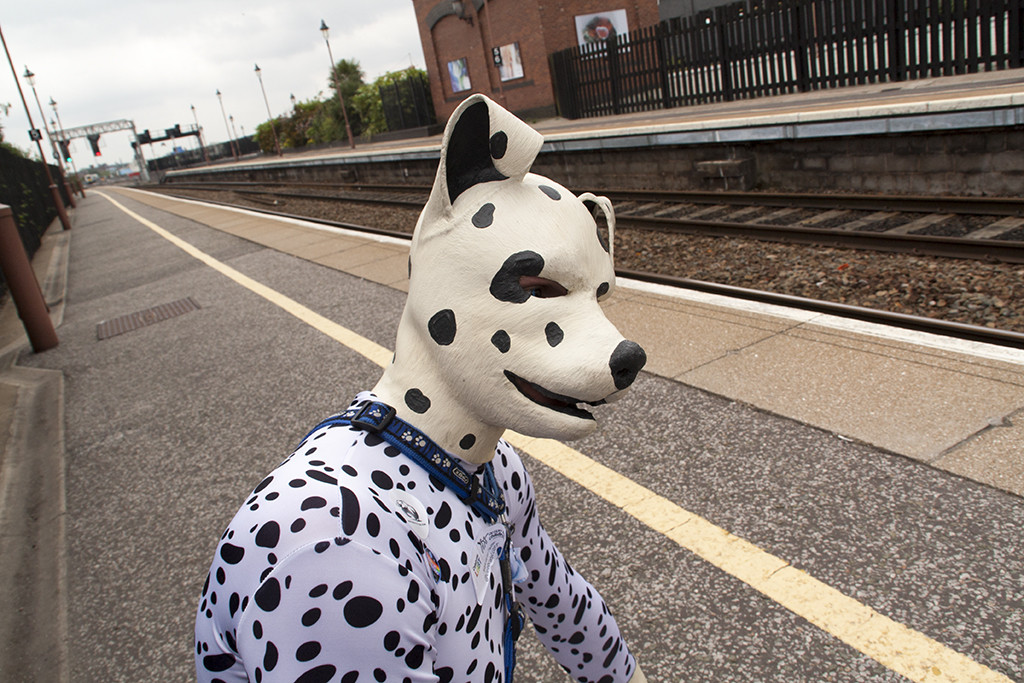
(502,327)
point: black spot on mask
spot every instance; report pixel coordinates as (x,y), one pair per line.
(442,327)
(505,283)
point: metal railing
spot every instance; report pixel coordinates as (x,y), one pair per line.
(755,49)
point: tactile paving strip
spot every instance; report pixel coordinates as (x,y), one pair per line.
(139,319)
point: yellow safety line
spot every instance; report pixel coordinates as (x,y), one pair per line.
(896,646)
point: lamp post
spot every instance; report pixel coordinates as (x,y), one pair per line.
(270,117)
(36,136)
(292,98)
(234,131)
(199,133)
(234,151)
(324,31)
(31,78)
(59,128)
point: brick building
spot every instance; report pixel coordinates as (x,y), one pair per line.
(464,41)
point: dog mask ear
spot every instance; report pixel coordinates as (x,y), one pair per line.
(601,207)
(482,143)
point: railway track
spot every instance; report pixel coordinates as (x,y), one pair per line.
(908,321)
(983,228)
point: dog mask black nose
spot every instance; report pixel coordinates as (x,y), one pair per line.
(626,362)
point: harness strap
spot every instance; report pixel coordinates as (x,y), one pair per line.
(379,418)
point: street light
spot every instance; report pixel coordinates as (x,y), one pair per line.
(324,31)
(35,135)
(270,117)
(199,133)
(31,78)
(292,98)
(234,150)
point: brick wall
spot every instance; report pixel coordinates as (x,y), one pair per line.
(539,27)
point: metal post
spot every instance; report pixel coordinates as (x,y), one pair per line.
(60,136)
(57,202)
(24,287)
(140,159)
(270,117)
(337,84)
(231,145)
(53,145)
(199,134)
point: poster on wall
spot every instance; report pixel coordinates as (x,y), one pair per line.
(510,65)
(458,75)
(593,28)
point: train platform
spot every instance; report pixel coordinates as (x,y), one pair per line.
(965,102)
(804,498)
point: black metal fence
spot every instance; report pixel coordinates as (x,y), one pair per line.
(754,49)
(24,187)
(407,103)
(195,157)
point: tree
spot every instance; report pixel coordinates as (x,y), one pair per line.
(5,109)
(368,104)
(349,76)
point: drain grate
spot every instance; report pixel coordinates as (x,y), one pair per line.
(139,319)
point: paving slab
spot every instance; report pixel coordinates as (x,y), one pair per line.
(908,402)
(993,456)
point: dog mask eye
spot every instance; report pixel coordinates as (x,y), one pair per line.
(540,287)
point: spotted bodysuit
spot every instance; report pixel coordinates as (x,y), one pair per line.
(350,563)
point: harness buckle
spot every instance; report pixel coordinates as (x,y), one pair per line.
(374,417)
(474,491)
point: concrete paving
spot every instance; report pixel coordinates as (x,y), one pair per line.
(917,395)
(167,427)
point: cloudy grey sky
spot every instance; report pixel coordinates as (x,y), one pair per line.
(149,61)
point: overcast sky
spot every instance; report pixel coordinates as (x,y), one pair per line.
(149,61)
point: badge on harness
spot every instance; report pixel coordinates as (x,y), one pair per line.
(483,559)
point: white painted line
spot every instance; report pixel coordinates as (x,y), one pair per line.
(383,239)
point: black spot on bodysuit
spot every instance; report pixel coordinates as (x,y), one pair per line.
(505,283)
(221,662)
(268,535)
(416,401)
(231,554)
(442,327)
(467,442)
(362,611)
(268,597)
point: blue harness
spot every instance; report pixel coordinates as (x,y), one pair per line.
(485,498)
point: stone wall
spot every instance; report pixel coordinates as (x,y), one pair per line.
(941,163)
